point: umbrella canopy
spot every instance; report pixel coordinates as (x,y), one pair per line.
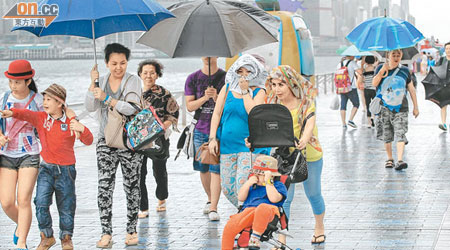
(353,51)
(384,34)
(437,85)
(212,28)
(341,49)
(410,53)
(75,17)
(97,18)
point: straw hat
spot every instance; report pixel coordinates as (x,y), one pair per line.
(19,69)
(264,163)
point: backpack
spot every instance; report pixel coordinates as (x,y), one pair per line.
(270,125)
(342,80)
(33,106)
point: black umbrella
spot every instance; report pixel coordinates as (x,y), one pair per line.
(409,54)
(212,28)
(437,85)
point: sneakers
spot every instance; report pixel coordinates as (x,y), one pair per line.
(352,124)
(66,243)
(46,243)
(206,208)
(213,216)
(443,126)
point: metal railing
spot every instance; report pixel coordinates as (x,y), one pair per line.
(324,83)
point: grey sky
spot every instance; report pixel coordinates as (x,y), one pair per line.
(432,17)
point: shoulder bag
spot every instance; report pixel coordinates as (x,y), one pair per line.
(115,133)
(203,155)
(375,104)
(293,164)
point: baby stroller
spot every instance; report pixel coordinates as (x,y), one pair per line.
(270,125)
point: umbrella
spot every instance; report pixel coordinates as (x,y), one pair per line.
(437,85)
(212,28)
(353,51)
(97,18)
(410,53)
(341,49)
(384,34)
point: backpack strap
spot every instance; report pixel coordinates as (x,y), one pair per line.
(5,100)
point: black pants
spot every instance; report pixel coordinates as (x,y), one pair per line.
(369,94)
(160,174)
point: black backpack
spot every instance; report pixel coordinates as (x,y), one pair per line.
(270,125)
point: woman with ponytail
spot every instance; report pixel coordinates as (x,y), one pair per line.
(19,159)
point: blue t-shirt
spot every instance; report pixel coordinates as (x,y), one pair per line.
(394,94)
(257,195)
(233,127)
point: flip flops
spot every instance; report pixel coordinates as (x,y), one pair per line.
(161,206)
(143,214)
(315,241)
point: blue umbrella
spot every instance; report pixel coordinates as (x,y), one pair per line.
(353,51)
(97,18)
(384,34)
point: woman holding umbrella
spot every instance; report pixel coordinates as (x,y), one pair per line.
(392,81)
(116,89)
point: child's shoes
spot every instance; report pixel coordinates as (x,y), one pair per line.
(254,242)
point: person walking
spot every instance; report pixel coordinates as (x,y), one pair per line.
(445,60)
(352,68)
(19,159)
(116,89)
(57,171)
(201,89)
(393,81)
(167,110)
(245,89)
(292,90)
(368,70)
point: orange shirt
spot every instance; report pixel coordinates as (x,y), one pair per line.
(54,134)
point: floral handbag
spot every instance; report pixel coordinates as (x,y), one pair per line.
(143,129)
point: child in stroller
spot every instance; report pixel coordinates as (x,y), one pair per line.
(263,197)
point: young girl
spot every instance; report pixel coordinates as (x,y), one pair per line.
(19,160)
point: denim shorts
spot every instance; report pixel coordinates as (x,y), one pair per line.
(26,161)
(352,96)
(199,139)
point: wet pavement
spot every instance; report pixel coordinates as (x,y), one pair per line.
(367,206)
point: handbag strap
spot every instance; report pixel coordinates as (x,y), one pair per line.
(23,125)
(391,78)
(224,100)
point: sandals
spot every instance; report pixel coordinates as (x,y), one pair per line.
(401,165)
(389,163)
(143,214)
(161,206)
(15,237)
(315,241)
(105,242)
(131,239)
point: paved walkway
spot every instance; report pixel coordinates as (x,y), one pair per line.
(367,206)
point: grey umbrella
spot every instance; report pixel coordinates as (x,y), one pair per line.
(211,28)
